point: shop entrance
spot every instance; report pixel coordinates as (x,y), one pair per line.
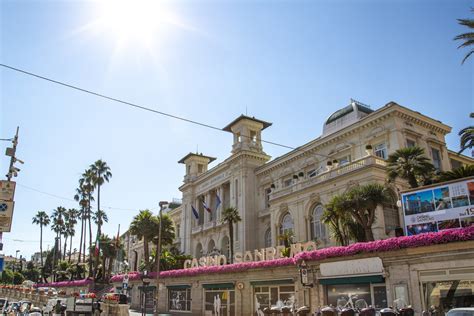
(273,295)
(219,300)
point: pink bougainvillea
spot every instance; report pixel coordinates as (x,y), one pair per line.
(395,243)
(75,283)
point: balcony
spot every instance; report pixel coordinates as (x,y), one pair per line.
(196,229)
(330,174)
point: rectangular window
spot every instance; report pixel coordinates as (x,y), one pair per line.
(287,182)
(274,296)
(445,295)
(219,299)
(380,150)
(436,158)
(411,143)
(179,300)
(200,168)
(344,160)
(253,136)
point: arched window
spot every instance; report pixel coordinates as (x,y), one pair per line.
(268,238)
(225,247)
(198,253)
(287,229)
(318,229)
(211,246)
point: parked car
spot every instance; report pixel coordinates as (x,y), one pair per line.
(461,311)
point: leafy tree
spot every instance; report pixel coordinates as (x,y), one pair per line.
(7,276)
(468,38)
(171,259)
(41,219)
(145,225)
(31,272)
(409,164)
(99,218)
(467,135)
(168,233)
(458,173)
(231,216)
(18,278)
(63,270)
(342,225)
(286,238)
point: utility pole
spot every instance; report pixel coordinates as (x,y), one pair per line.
(158,253)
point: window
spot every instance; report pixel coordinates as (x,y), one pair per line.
(274,296)
(287,182)
(411,143)
(455,164)
(188,169)
(436,158)
(219,299)
(200,168)
(380,151)
(177,230)
(318,229)
(268,238)
(253,136)
(287,226)
(179,299)
(344,160)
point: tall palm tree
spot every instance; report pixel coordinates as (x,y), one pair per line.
(145,225)
(467,136)
(71,220)
(338,220)
(87,181)
(58,227)
(101,174)
(99,218)
(468,38)
(410,164)
(41,219)
(230,216)
(81,197)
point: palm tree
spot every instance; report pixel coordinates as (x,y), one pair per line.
(87,181)
(410,164)
(168,233)
(58,227)
(362,201)
(468,38)
(145,226)
(101,173)
(467,136)
(459,173)
(71,220)
(99,218)
(338,220)
(230,216)
(81,197)
(41,219)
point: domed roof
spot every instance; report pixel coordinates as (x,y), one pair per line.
(354,106)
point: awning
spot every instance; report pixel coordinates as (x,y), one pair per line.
(271,282)
(179,287)
(353,280)
(218,286)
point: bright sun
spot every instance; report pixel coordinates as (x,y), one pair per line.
(142,21)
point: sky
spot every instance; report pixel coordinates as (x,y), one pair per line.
(292,63)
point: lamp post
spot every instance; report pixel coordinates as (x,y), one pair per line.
(158,252)
(145,283)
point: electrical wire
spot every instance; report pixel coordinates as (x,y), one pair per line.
(6,139)
(137,106)
(71,200)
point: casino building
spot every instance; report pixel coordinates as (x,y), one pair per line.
(286,195)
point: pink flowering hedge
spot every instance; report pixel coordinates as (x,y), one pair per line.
(76,283)
(391,244)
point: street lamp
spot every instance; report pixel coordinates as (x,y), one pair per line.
(145,282)
(158,251)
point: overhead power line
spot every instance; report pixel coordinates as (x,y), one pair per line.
(137,106)
(71,200)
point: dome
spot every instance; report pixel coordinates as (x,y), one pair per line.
(353,107)
(346,116)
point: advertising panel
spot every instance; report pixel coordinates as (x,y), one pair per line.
(6,214)
(440,207)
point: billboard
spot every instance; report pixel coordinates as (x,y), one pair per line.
(434,208)
(6,214)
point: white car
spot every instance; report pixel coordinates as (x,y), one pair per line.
(461,311)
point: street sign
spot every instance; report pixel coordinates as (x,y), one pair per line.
(304,276)
(125,279)
(6,215)
(124,286)
(7,190)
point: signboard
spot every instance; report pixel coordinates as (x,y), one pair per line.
(304,276)
(352,267)
(6,214)
(435,208)
(7,190)
(2,263)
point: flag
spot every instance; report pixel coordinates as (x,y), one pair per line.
(206,207)
(218,201)
(196,214)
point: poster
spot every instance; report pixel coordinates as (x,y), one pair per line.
(440,207)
